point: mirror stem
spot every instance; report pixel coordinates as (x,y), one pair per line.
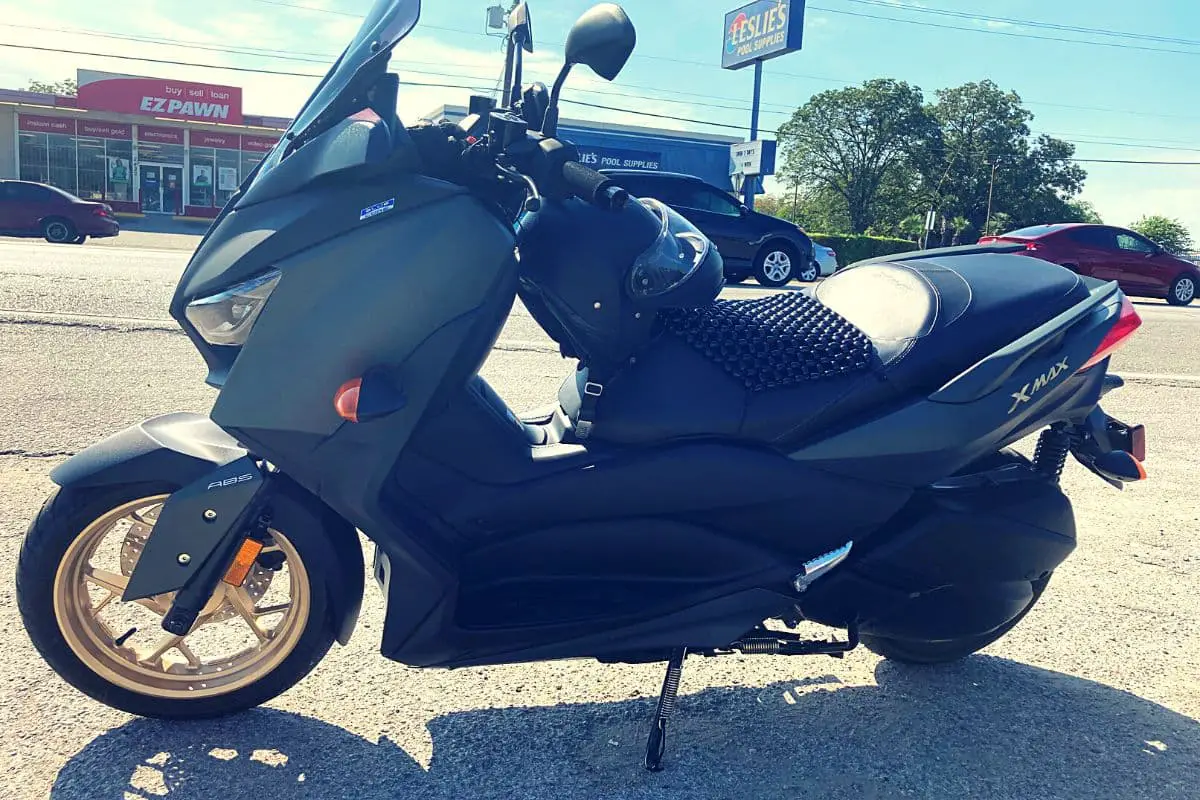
(550,126)
(516,81)
(506,97)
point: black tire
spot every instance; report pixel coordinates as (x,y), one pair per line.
(80,239)
(63,517)
(809,273)
(908,651)
(769,258)
(57,230)
(1183,290)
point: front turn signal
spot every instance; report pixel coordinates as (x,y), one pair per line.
(376,394)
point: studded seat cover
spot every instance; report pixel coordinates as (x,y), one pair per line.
(773,342)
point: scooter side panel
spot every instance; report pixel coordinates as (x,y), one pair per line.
(927,440)
(608,589)
(957,563)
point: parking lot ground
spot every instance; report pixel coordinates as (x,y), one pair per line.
(1094,695)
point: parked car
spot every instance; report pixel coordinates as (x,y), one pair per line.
(34,209)
(1140,266)
(773,250)
(826,259)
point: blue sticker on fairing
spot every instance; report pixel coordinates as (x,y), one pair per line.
(377,209)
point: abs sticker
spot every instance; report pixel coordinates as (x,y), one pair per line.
(377,209)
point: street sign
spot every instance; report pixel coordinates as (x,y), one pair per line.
(753,158)
(762,30)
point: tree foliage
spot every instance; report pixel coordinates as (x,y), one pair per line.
(852,143)
(885,156)
(1171,234)
(64,88)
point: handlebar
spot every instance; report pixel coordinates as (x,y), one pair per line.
(589,185)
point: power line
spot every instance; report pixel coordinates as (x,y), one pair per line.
(823,78)
(1028,23)
(1011,34)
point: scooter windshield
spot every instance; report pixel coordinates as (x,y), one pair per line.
(344,86)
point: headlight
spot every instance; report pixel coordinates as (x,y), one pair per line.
(227,318)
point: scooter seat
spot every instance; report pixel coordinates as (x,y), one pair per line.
(922,323)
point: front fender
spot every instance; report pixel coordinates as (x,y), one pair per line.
(182,449)
(177,448)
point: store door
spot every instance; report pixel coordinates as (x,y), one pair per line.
(161,188)
(172,190)
(150,188)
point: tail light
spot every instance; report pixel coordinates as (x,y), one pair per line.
(100,211)
(1127,324)
(1032,247)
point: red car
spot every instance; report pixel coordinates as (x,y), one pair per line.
(1140,266)
(35,209)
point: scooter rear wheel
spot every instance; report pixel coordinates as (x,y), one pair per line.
(251,642)
(909,651)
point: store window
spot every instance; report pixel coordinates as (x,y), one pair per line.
(159,153)
(203,163)
(227,175)
(92,168)
(62,162)
(119,183)
(250,160)
(34,155)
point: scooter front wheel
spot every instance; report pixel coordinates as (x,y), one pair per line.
(250,643)
(910,651)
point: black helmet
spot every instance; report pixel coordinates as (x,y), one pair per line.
(595,279)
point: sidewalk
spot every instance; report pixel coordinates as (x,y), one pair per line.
(155,233)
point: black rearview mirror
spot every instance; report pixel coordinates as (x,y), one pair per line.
(520,27)
(603,39)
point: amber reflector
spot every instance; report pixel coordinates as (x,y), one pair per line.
(242,562)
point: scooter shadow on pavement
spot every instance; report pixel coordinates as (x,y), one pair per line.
(985,727)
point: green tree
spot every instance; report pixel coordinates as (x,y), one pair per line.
(1171,234)
(858,145)
(1082,211)
(986,148)
(63,88)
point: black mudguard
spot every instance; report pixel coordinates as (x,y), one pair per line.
(191,453)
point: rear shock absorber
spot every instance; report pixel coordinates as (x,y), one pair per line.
(1053,447)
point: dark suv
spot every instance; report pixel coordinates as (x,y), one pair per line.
(35,209)
(770,249)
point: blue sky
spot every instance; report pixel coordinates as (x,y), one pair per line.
(1151,100)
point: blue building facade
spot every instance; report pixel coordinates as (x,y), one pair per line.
(608,146)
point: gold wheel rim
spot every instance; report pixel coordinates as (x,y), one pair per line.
(231,645)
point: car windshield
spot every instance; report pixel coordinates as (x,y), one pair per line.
(345,85)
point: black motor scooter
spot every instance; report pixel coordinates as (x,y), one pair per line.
(712,474)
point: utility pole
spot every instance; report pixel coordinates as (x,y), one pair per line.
(991,186)
(753,181)
(796,201)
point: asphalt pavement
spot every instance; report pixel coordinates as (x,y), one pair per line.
(1095,695)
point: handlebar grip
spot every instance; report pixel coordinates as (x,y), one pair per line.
(589,185)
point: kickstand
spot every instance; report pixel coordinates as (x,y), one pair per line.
(656,745)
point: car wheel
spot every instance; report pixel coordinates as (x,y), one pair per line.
(80,239)
(775,265)
(810,273)
(58,231)
(1182,291)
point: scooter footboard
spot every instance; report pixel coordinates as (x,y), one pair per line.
(957,562)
